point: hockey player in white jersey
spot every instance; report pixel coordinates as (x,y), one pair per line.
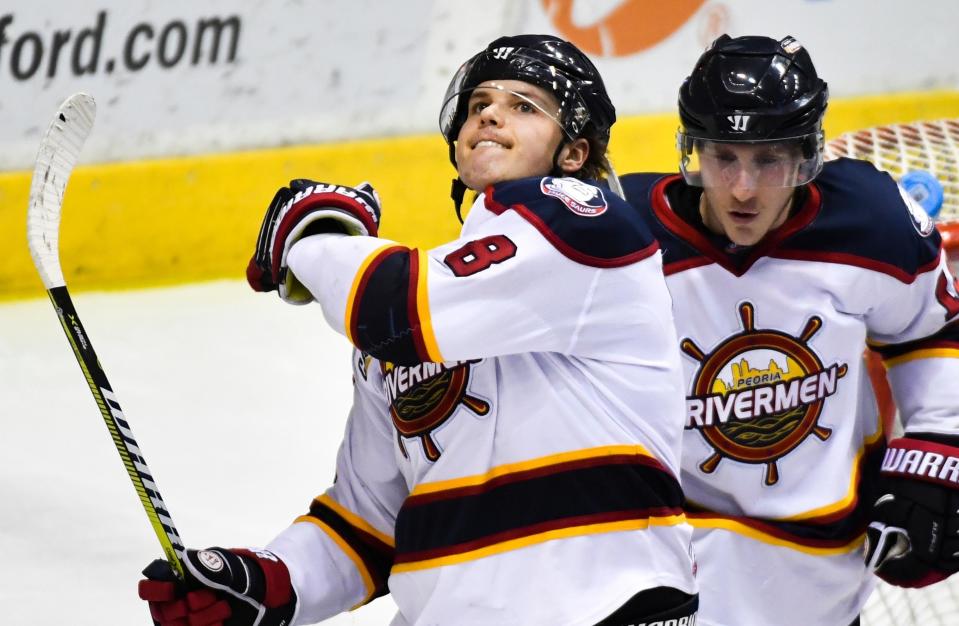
(512,453)
(782,270)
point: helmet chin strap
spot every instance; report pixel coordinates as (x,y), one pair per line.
(458,188)
(457,193)
(557,171)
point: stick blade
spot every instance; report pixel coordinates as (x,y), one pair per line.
(57,156)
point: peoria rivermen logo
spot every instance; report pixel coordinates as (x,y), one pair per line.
(759,394)
(424,396)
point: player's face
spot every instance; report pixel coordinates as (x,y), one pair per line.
(746,188)
(508,135)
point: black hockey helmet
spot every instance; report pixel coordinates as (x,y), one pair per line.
(546,61)
(754,89)
(773,82)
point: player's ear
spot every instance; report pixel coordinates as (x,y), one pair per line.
(573,155)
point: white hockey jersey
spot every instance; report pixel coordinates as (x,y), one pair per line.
(783,440)
(512,452)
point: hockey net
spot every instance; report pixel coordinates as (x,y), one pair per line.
(930,147)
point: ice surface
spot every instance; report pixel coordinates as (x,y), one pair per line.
(237,400)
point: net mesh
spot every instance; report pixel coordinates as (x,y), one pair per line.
(893,606)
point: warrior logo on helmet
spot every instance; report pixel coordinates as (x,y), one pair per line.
(424,396)
(738,122)
(759,394)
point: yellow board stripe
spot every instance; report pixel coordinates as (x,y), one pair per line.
(350,552)
(423,309)
(929,353)
(561,533)
(114,245)
(355,520)
(512,468)
(748,531)
(357,279)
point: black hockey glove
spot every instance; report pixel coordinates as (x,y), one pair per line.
(306,208)
(913,540)
(222,588)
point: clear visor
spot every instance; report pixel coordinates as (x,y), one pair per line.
(516,103)
(568,108)
(727,164)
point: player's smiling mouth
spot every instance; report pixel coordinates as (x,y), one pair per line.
(488,138)
(488,143)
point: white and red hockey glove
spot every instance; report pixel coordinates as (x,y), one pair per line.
(307,208)
(913,539)
(222,588)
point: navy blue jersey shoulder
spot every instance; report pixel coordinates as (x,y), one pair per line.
(584,221)
(861,218)
(639,193)
(864,215)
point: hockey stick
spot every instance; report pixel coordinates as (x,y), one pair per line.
(56,158)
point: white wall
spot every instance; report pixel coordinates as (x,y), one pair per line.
(324,70)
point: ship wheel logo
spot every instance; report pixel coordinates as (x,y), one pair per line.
(423,397)
(759,394)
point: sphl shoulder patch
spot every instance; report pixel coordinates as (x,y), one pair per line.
(614,235)
(579,197)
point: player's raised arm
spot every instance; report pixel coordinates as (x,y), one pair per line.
(542,250)
(540,265)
